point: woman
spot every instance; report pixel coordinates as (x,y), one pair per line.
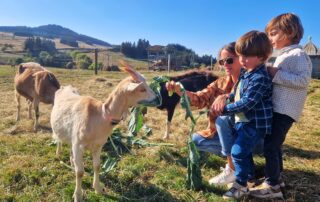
(208,140)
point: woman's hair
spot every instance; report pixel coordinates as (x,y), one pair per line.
(230,47)
(290,24)
(254,43)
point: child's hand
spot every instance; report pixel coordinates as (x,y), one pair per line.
(272,71)
(219,104)
(173,87)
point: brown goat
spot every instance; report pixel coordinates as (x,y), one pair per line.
(36,84)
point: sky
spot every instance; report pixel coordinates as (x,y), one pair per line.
(201,25)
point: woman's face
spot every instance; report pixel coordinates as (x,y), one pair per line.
(230,62)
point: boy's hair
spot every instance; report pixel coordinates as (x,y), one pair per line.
(290,24)
(230,47)
(254,43)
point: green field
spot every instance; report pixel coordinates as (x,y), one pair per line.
(29,170)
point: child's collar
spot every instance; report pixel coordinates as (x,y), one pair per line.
(245,74)
(288,48)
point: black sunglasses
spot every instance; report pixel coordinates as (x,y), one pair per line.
(229,61)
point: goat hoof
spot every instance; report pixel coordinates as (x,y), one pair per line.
(35,128)
(77,197)
(71,163)
(166,137)
(100,190)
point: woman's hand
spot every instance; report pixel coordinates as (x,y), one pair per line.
(173,87)
(272,71)
(218,105)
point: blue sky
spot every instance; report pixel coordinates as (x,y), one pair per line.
(202,25)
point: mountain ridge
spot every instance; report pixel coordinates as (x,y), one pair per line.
(52,31)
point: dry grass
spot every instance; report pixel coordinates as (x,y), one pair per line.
(29,170)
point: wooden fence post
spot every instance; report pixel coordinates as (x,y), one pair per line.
(96,61)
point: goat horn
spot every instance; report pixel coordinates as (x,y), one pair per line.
(124,66)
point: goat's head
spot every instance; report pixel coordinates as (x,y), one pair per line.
(68,89)
(137,86)
(45,84)
(32,66)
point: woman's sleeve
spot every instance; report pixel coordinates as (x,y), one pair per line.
(205,97)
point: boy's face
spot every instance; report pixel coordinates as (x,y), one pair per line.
(250,62)
(278,39)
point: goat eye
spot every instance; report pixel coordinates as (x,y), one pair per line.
(143,90)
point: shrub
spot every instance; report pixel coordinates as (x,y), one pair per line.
(92,66)
(70,65)
(83,61)
(113,68)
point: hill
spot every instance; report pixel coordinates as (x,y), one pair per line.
(106,56)
(52,31)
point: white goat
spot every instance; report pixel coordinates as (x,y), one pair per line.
(86,123)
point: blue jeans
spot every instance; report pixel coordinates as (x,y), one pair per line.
(247,137)
(223,141)
(212,145)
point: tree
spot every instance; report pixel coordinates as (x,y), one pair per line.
(70,65)
(83,61)
(141,50)
(132,50)
(18,61)
(35,45)
(60,59)
(92,66)
(45,58)
(69,41)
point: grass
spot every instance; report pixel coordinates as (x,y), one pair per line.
(30,171)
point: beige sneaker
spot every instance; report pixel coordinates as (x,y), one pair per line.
(227,176)
(281,183)
(267,191)
(237,191)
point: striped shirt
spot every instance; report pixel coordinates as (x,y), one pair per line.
(290,83)
(255,99)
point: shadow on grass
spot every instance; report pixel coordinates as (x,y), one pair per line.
(206,159)
(290,151)
(136,190)
(44,129)
(171,155)
(18,129)
(302,185)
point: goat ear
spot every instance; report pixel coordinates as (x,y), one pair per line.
(21,69)
(133,86)
(124,66)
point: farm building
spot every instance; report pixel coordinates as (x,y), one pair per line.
(314,53)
